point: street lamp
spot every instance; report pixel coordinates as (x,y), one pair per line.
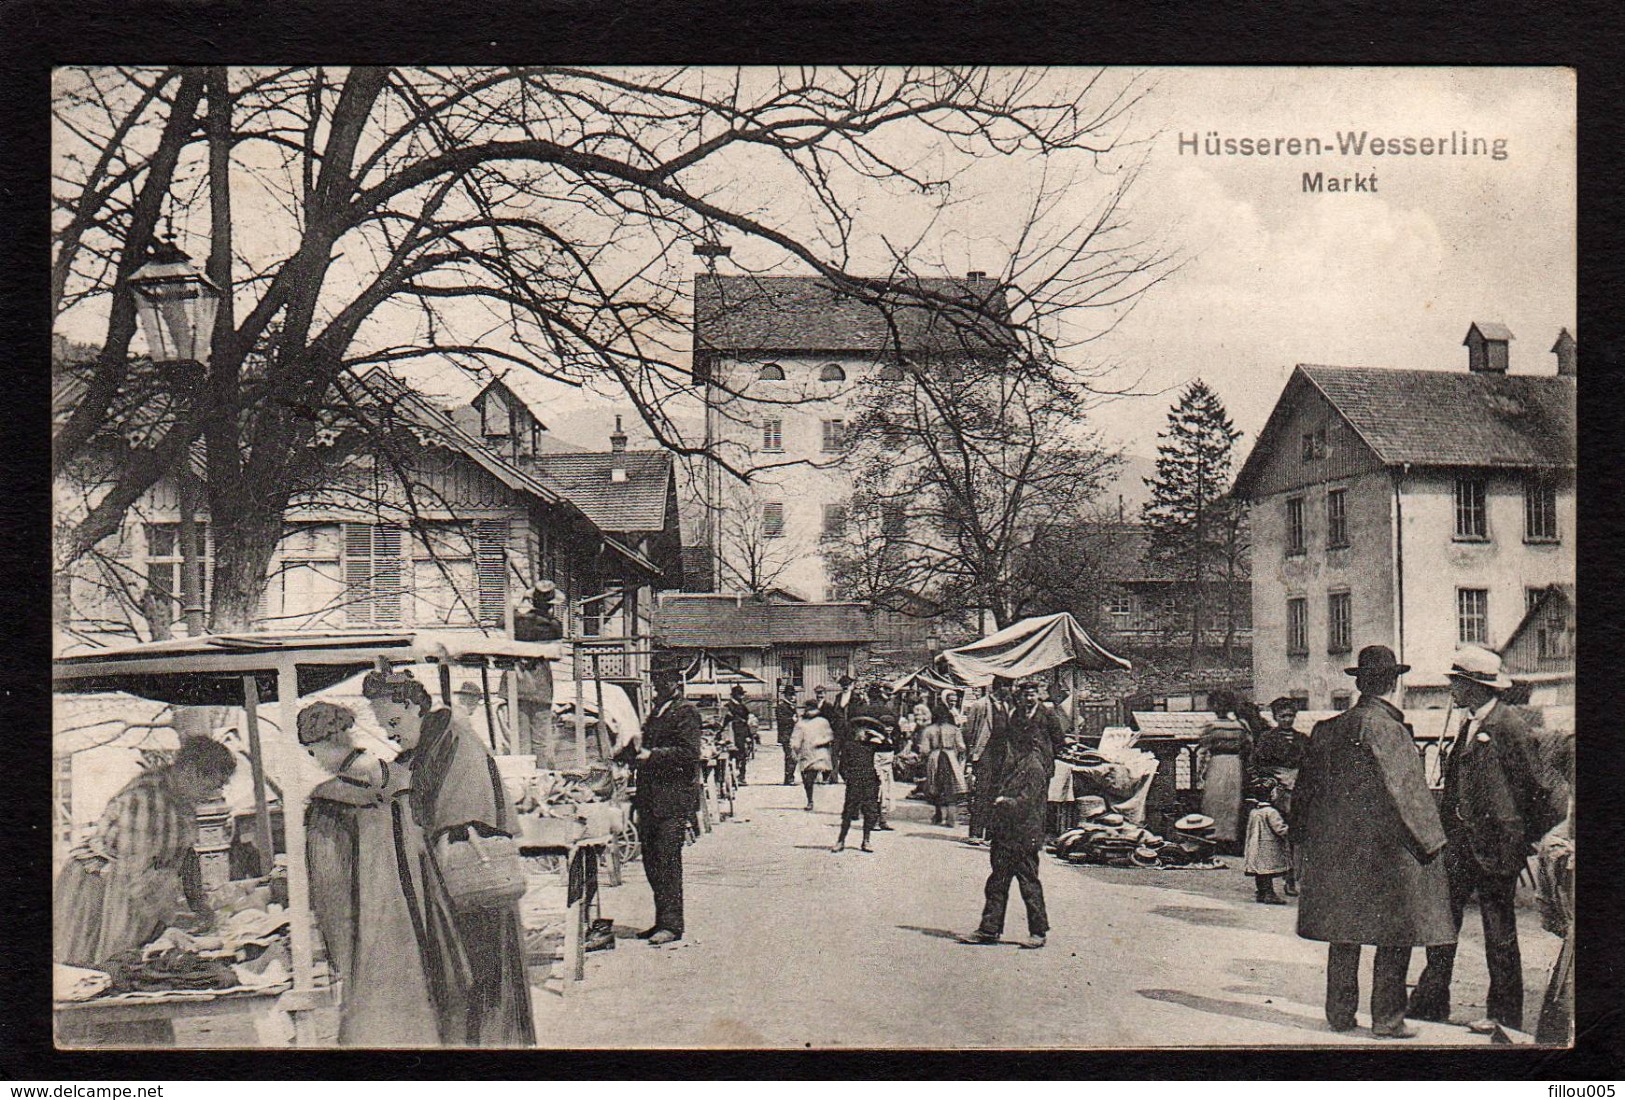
(176,306)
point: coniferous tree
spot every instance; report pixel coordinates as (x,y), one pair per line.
(1194,526)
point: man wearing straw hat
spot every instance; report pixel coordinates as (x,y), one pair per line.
(1369,837)
(1496,806)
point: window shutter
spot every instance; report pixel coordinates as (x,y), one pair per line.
(357,574)
(387,582)
(492,564)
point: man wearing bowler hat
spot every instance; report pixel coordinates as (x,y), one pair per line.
(1496,805)
(1368,832)
(668,767)
(839,713)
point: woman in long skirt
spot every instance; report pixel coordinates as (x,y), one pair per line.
(1223,752)
(939,742)
(379,902)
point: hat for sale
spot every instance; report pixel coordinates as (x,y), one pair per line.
(1110,819)
(1145,857)
(1376,658)
(1480,666)
(1194,823)
(1091,805)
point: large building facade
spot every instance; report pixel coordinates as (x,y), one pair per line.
(781,360)
(1418,509)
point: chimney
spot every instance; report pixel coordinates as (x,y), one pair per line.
(1566,354)
(1487,347)
(617,438)
(617,445)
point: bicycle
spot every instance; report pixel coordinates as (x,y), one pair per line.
(727,780)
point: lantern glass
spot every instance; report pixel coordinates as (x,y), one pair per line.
(176,307)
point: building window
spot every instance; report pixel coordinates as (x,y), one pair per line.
(834,436)
(1472,516)
(771,372)
(1294,525)
(164,562)
(1341,700)
(1540,510)
(834,520)
(1339,622)
(1297,627)
(1531,596)
(773,435)
(1554,634)
(773,520)
(1121,608)
(831,372)
(374,568)
(893,438)
(495,418)
(1473,616)
(891,372)
(837,663)
(1314,445)
(893,519)
(1337,521)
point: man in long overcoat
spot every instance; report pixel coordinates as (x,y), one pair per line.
(784,717)
(668,766)
(1498,801)
(1367,830)
(1018,763)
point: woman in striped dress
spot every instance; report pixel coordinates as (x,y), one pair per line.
(130,879)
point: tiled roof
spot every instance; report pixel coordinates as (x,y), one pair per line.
(1437,418)
(1452,418)
(717,621)
(636,504)
(794,313)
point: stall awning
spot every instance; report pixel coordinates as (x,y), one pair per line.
(925,677)
(1028,648)
(209,671)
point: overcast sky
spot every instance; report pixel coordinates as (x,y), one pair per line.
(1274,276)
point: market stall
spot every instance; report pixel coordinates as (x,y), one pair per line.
(250,671)
(1035,646)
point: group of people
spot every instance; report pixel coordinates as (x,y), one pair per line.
(1380,862)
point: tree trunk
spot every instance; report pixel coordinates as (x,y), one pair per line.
(245,542)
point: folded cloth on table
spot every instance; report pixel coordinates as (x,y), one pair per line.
(77,983)
(253,926)
(171,970)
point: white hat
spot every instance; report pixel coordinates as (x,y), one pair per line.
(1480,666)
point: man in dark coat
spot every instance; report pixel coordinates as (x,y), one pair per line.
(668,767)
(839,713)
(1367,830)
(784,717)
(1017,766)
(1498,801)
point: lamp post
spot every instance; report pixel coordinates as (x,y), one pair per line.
(176,306)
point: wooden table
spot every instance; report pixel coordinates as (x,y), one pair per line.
(582,853)
(125,1020)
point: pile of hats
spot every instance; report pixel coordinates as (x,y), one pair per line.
(1106,838)
(1192,843)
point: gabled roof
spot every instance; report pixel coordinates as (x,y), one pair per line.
(790,313)
(1489,330)
(637,504)
(722,621)
(1436,418)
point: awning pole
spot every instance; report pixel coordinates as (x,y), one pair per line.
(581,712)
(603,723)
(293,828)
(1072,699)
(485,693)
(256,758)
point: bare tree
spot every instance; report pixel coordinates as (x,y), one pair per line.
(534,217)
(963,467)
(755,553)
